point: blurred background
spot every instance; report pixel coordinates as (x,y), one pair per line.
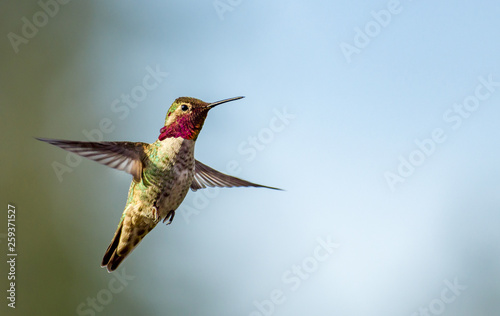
(379,119)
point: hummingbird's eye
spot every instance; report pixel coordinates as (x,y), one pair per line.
(184,107)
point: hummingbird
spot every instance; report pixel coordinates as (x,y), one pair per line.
(163,172)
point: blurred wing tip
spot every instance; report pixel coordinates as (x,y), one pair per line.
(43,139)
(263,186)
(273,188)
(52,141)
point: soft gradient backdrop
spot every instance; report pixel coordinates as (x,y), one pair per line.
(338,95)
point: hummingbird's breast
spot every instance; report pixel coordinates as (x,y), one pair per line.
(170,172)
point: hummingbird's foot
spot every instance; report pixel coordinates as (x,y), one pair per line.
(156,216)
(169,217)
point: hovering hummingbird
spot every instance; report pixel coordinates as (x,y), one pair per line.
(162,173)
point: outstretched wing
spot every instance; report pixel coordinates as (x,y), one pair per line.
(204,177)
(126,156)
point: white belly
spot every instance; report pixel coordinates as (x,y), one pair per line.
(181,154)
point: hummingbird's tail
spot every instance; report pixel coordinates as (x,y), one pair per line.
(126,238)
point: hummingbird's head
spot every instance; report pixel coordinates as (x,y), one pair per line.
(186,116)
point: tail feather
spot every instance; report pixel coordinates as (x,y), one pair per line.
(111,260)
(126,238)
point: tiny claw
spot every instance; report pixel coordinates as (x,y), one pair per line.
(169,217)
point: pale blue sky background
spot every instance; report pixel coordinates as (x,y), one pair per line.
(353,120)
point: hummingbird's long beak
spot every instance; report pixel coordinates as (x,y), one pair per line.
(214,104)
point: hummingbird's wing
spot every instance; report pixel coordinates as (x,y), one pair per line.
(204,177)
(126,156)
